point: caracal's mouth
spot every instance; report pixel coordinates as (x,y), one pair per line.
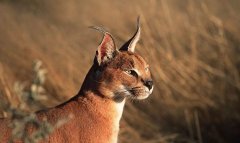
(140,92)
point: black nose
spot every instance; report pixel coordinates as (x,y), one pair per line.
(149,84)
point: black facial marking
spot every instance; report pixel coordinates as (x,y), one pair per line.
(118,98)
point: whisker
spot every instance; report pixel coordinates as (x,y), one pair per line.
(136,88)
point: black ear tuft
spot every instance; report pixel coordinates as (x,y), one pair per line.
(131,43)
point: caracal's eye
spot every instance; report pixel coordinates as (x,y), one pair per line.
(131,72)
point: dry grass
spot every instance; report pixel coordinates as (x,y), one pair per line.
(192,47)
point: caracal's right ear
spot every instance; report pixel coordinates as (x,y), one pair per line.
(106,49)
(131,43)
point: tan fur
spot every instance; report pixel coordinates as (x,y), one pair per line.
(98,106)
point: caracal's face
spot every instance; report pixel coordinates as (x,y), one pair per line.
(121,73)
(127,75)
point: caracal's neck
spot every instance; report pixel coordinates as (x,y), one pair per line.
(98,101)
(105,107)
(101,115)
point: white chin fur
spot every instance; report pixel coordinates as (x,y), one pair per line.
(142,97)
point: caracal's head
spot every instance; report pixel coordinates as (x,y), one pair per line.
(121,73)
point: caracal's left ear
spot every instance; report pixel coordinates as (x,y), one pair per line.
(106,49)
(131,43)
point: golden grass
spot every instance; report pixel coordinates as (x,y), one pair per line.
(192,48)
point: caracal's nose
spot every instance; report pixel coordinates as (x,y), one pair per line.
(149,84)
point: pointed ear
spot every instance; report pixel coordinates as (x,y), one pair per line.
(131,43)
(106,50)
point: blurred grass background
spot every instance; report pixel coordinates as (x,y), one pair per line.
(193,48)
